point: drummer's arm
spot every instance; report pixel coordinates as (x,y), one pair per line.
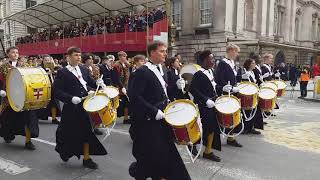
(194,89)
(58,88)
(137,95)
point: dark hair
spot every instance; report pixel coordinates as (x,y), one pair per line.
(255,57)
(11,48)
(203,55)
(248,63)
(154,46)
(170,61)
(104,58)
(73,49)
(86,57)
(177,55)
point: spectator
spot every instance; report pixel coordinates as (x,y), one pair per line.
(293,75)
(304,79)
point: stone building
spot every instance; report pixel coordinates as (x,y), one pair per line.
(289,29)
(12,29)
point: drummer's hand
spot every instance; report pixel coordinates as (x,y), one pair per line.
(124,91)
(210,104)
(277,74)
(227,88)
(160,115)
(91,93)
(181,83)
(235,89)
(245,76)
(99,82)
(3,93)
(76,100)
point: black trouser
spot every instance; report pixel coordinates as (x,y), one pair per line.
(303,88)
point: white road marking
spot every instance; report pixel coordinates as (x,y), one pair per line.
(11,167)
(44,141)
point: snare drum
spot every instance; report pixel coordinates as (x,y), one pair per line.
(182,116)
(281,87)
(248,95)
(100,106)
(270,84)
(267,99)
(113,94)
(228,111)
(28,88)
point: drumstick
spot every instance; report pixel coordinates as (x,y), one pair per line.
(183,91)
(98,86)
(229,92)
(175,111)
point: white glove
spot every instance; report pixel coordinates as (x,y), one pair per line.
(124,91)
(99,82)
(245,76)
(210,104)
(76,100)
(181,83)
(235,89)
(277,74)
(160,115)
(91,93)
(266,75)
(227,88)
(3,93)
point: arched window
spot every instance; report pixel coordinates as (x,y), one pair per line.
(248,14)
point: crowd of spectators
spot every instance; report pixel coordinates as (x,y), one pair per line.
(99,25)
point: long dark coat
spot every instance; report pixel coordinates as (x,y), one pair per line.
(153,146)
(201,89)
(75,128)
(173,91)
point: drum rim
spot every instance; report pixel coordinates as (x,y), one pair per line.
(280,81)
(232,96)
(112,87)
(88,98)
(191,64)
(184,101)
(11,103)
(251,83)
(270,89)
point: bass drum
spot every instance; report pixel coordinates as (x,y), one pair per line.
(28,88)
(187,72)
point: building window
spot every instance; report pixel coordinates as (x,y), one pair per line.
(30,3)
(279,12)
(176,12)
(248,14)
(205,12)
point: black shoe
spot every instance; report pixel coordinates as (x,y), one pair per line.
(133,169)
(128,121)
(193,149)
(253,131)
(265,123)
(9,138)
(29,145)
(90,164)
(233,143)
(55,121)
(273,115)
(97,132)
(211,157)
(64,157)
(245,132)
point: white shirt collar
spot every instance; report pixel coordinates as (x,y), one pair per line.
(75,70)
(230,62)
(154,69)
(210,76)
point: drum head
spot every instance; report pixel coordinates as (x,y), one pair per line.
(111,91)
(267,93)
(181,112)
(96,103)
(271,85)
(248,89)
(281,84)
(190,69)
(227,105)
(16,90)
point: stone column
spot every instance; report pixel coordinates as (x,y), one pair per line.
(286,23)
(228,16)
(240,16)
(270,23)
(293,20)
(261,20)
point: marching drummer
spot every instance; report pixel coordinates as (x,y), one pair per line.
(267,68)
(226,77)
(249,126)
(74,134)
(203,89)
(13,123)
(175,83)
(110,76)
(153,145)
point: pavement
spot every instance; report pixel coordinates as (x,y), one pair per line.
(288,149)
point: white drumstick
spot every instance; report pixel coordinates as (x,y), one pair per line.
(98,86)
(183,91)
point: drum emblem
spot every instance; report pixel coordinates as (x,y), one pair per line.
(37,93)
